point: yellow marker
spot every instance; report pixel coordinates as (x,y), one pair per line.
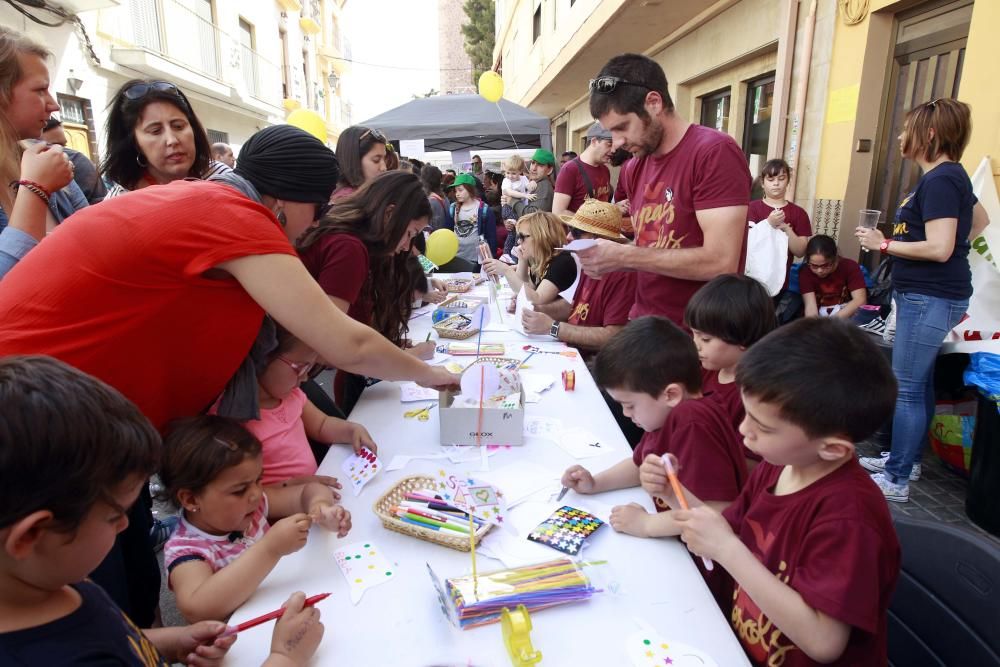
(516,627)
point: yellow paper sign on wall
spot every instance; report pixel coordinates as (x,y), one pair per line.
(842,104)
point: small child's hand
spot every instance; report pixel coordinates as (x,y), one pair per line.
(579,479)
(325,480)
(630,519)
(298,632)
(653,477)
(360,437)
(532,185)
(199,645)
(705,531)
(334,518)
(289,534)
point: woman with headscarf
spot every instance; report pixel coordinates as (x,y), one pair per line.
(154,137)
(162,295)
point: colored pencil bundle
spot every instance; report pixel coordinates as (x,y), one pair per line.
(479,600)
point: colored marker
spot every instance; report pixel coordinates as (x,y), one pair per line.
(682,499)
(270,616)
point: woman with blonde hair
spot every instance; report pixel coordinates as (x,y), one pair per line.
(544,271)
(37,172)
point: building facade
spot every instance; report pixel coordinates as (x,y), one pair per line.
(243,65)
(453,62)
(823,84)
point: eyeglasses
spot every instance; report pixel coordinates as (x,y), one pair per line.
(605,85)
(520,237)
(301,368)
(376,135)
(822,267)
(137,91)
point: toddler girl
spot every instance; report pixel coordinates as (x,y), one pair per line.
(726,316)
(515,185)
(223,547)
(288,419)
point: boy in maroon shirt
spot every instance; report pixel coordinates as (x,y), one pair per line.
(652,369)
(809,542)
(687,189)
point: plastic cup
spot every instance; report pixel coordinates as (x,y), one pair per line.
(868,218)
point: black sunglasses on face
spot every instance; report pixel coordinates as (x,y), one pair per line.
(605,85)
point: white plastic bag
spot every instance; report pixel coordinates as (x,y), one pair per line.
(767,256)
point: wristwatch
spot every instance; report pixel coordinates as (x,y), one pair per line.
(883,247)
(554,330)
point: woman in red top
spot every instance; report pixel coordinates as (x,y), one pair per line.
(162,294)
(362,155)
(358,255)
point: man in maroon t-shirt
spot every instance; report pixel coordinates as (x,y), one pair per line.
(586,176)
(688,189)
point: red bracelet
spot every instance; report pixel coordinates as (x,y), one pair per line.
(36,188)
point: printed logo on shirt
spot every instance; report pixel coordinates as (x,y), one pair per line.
(579,313)
(654,216)
(141,647)
(763,642)
(899,229)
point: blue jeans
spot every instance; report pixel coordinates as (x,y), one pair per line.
(922,323)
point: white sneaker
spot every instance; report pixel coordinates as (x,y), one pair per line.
(896,493)
(877,464)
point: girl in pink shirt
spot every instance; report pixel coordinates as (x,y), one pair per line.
(288,419)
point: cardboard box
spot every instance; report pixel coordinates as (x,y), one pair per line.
(501,426)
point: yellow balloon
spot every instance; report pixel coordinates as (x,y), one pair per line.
(310,121)
(442,246)
(491,86)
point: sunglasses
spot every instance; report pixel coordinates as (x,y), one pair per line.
(520,237)
(376,135)
(605,85)
(137,91)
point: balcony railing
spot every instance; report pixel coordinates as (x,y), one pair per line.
(169,28)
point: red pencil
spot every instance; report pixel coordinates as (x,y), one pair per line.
(270,616)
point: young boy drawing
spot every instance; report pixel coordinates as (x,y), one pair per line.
(74,454)
(809,542)
(651,368)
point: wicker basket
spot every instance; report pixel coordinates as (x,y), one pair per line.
(391,498)
(459,285)
(444,331)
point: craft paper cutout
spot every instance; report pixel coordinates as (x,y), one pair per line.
(543,427)
(566,530)
(364,566)
(581,443)
(646,650)
(476,375)
(481,499)
(411,391)
(360,468)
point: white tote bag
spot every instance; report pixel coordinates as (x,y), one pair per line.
(767,255)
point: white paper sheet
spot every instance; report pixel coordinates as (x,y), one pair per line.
(581,443)
(411,391)
(579,244)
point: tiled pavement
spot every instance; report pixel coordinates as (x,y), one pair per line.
(939,494)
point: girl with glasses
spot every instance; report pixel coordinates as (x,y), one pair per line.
(831,285)
(153,138)
(545,272)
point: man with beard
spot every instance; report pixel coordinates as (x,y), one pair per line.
(586,176)
(688,188)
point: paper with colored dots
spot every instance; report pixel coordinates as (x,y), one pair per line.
(360,468)
(646,649)
(566,530)
(364,566)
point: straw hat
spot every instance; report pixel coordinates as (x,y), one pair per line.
(597,217)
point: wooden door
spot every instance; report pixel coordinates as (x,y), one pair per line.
(927,64)
(77,138)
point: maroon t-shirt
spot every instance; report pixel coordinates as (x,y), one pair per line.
(795,216)
(728,396)
(698,433)
(570,182)
(834,543)
(339,263)
(835,288)
(604,302)
(706,170)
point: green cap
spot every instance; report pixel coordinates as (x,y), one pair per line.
(543,156)
(464,179)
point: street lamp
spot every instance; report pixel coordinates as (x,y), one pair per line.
(333,80)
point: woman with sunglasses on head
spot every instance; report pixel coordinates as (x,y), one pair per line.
(154,138)
(358,256)
(545,272)
(931,278)
(162,295)
(831,285)
(361,152)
